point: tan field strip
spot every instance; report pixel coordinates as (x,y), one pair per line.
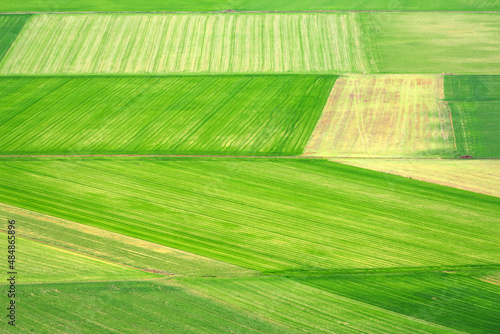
(384,116)
(482,176)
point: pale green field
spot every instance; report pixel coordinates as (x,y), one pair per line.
(460,43)
(196,43)
(103,245)
(39,262)
(384,116)
(482,176)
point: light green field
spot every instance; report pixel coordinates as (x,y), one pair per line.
(264,214)
(455,300)
(10,26)
(309,309)
(196,43)
(38,262)
(217,5)
(242,115)
(384,116)
(482,176)
(128,307)
(99,244)
(434,42)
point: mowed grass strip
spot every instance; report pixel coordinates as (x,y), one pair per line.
(182,43)
(454,300)
(10,26)
(39,262)
(113,247)
(129,307)
(309,309)
(242,115)
(384,116)
(472,87)
(477,129)
(264,214)
(460,43)
(482,176)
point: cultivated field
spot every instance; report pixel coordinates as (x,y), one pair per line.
(309,309)
(130,307)
(111,248)
(482,176)
(201,43)
(472,87)
(455,299)
(265,214)
(10,26)
(433,42)
(384,116)
(249,115)
(252,5)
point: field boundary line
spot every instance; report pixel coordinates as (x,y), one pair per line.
(452,127)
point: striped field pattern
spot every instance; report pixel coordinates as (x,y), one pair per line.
(456,300)
(264,214)
(196,43)
(309,309)
(244,115)
(107,246)
(384,116)
(10,26)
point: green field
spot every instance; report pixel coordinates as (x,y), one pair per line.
(217,5)
(477,128)
(309,309)
(182,43)
(128,307)
(39,262)
(433,42)
(54,234)
(10,26)
(472,87)
(454,300)
(243,115)
(264,214)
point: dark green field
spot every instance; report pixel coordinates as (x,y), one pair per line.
(472,87)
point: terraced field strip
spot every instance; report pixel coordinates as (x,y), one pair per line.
(482,176)
(112,247)
(38,262)
(220,115)
(453,300)
(460,43)
(472,87)
(309,309)
(266,215)
(182,43)
(10,26)
(158,306)
(384,116)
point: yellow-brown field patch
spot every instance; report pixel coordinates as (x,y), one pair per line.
(384,116)
(482,176)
